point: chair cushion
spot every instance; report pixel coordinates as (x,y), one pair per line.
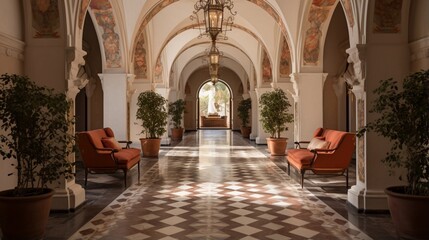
(125,156)
(316,143)
(300,156)
(111,142)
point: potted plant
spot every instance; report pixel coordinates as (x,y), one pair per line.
(37,138)
(176,110)
(274,117)
(404,119)
(153,115)
(243,113)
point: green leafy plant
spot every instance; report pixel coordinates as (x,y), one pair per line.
(176,110)
(36,133)
(153,113)
(404,119)
(275,112)
(243,111)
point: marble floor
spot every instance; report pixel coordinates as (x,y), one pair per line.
(216,185)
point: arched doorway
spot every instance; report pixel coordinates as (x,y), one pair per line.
(214,105)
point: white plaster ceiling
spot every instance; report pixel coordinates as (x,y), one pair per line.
(256,30)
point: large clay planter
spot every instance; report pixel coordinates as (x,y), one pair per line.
(245,131)
(277,146)
(176,133)
(409,213)
(24,217)
(150,146)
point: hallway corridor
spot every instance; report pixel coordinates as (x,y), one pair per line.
(212,185)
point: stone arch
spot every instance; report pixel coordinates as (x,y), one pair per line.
(319,13)
(138,51)
(227,111)
(107,27)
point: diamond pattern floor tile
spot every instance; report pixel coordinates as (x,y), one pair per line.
(213,192)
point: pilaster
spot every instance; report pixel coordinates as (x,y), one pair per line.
(308,103)
(372,176)
(69,195)
(115,102)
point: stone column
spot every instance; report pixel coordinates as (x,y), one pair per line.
(261,135)
(308,103)
(69,195)
(164,91)
(254,111)
(372,176)
(115,103)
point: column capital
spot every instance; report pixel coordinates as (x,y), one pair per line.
(75,71)
(356,71)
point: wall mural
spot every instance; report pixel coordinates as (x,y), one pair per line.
(83,8)
(361,141)
(267,75)
(46,18)
(387,16)
(285,59)
(103,13)
(140,63)
(158,71)
(349,12)
(319,12)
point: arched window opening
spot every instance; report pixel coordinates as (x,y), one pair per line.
(214,105)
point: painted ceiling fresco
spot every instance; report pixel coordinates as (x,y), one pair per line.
(105,19)
(319,13)
(140,61)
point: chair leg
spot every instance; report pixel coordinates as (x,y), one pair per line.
(302,178)
(125,177)
(347,179)
(138,171)
(86,176)
(288,168)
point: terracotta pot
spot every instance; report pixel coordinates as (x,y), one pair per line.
(409,213)
(150,146)
(24,217)
(277,146)
(245,131)
(176,133)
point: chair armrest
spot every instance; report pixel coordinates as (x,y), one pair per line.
(126,142)
(323,150)
(298,144)
(111,150)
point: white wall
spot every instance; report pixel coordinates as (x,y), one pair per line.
(12,20)
(11,61)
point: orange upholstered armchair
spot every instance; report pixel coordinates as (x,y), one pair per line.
(102,153)
(329,152)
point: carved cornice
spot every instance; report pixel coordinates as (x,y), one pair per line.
(419,49)
(11,47)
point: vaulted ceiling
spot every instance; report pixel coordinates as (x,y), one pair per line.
(159,42)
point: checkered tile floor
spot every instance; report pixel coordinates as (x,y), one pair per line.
(215,187)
